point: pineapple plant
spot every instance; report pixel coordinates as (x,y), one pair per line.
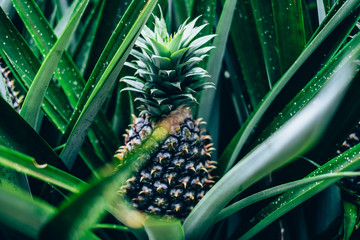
(167,77)
(284,71)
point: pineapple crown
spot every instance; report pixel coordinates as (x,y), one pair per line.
(167,72)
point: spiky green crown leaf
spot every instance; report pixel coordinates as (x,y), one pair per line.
(167,72)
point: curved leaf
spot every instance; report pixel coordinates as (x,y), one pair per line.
(16,134)
(295,137)
(270,192)
(347,161)
(25,164)
(23,213)
(319,50)
(161,230)
(76,217)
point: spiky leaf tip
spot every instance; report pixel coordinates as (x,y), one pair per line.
(167,71)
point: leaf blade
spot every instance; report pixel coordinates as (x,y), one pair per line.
(277,150)
(98,95)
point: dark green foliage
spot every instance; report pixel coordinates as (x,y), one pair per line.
(272,68)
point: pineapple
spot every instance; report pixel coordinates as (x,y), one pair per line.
(351,185)
(7,76)
(167,78)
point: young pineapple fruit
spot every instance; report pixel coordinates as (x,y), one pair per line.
(351,185)
(9,82)
(167,78)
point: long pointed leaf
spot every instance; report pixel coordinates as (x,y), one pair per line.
(22,213)
(24,65)
(302,131)
(289,29)
(45,39)
(77,216)
(265,26)
(16,134)
(270,192)
(207,102)
(349,53)
(334,33)
(28,165)
(345,162)
(102,88)
(66,73)
(31,108)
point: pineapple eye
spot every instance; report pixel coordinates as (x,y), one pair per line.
(189,196)
(160,187)
(154,210)
(176,193)
(146,190)
(162,157)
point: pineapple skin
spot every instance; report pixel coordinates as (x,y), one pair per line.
(177,175)
(8,76)
(350,185)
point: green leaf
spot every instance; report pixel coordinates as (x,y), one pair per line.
(294,138)
(321,9)
(102,88)
(111,226)
(350,218)
(14,179)
(93,162)
(174,44)
(136,84)
(31,108)
(86,42)
(264,36)
(162,62)
(133,89)
(76,217)
(349,53)
(198,42)
(160,49)
(70,80)
(22,213)
(24,66)
(320,49)
(47,173)
(16,134)
(61,25)
(347,161)
(207,10)
(207,105)
(80,214)
(111,14)
(164,230)
(67,73)
(289,30)
(190,31)
(271,192)
(124,110)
